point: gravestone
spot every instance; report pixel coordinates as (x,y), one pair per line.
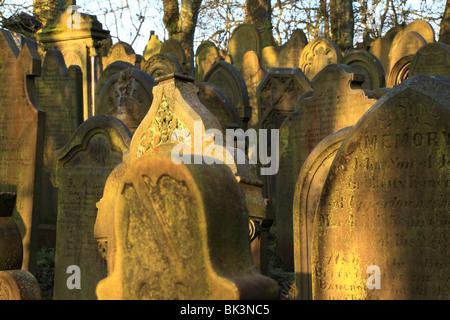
(369,66)
(122,51)
(245,37)
(431,59)
(337,101)
(423,28)
(161,64)
(252,73)
(19,285)
(219,104)
(83,166)
(400,57)
(228,79)
(307,193)
(174,48)
(193,250)
(22,125)
(291,51)
(380,49)
(109,72)
(381,227)
(270,57)
(126,96)
(59,90)
(205,56)
(318,54)
(153,46)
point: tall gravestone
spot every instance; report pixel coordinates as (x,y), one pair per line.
(79,37)
(337,101)
(382,224)
(205,56)
(245,37)
(291,51)
(278,93)
(174,48)
(195,240)
(253,74)
(318,54)
(59,91)
(83,166)
(431,59)
(308,189)
(153,46)
(228,79)
(126,96)
(22,139)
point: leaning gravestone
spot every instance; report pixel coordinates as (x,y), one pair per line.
(369,66)
(291,51)
(381,229)
(252,73)
(228,79)
(431,59)
(336,102)
(318,54)
(161,64)
(59,91)
(195,240)
(83,166)
(126,96)
(205,56)
(308,189)
(244,37)
(22,125)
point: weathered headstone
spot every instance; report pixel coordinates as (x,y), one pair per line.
(122,51)
(79,37)
(369,66)
(380,48)
(83,166)
(400,57)
(219,104)
(431,59)
(318,54)
(270,57)
(161,64)
(422,27)
(22,125)
(252,73)
(382,224)
(291,51)
(245,37)
(228,79)
(109,72)
(19,285)
(205,56)
(174,48)
(308,189)
(193,251)
(126,96)
(336,102)
(59,91)
(153,46)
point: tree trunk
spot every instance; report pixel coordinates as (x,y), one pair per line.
(342,23)
(257,12)
(445,23)
(180,25)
